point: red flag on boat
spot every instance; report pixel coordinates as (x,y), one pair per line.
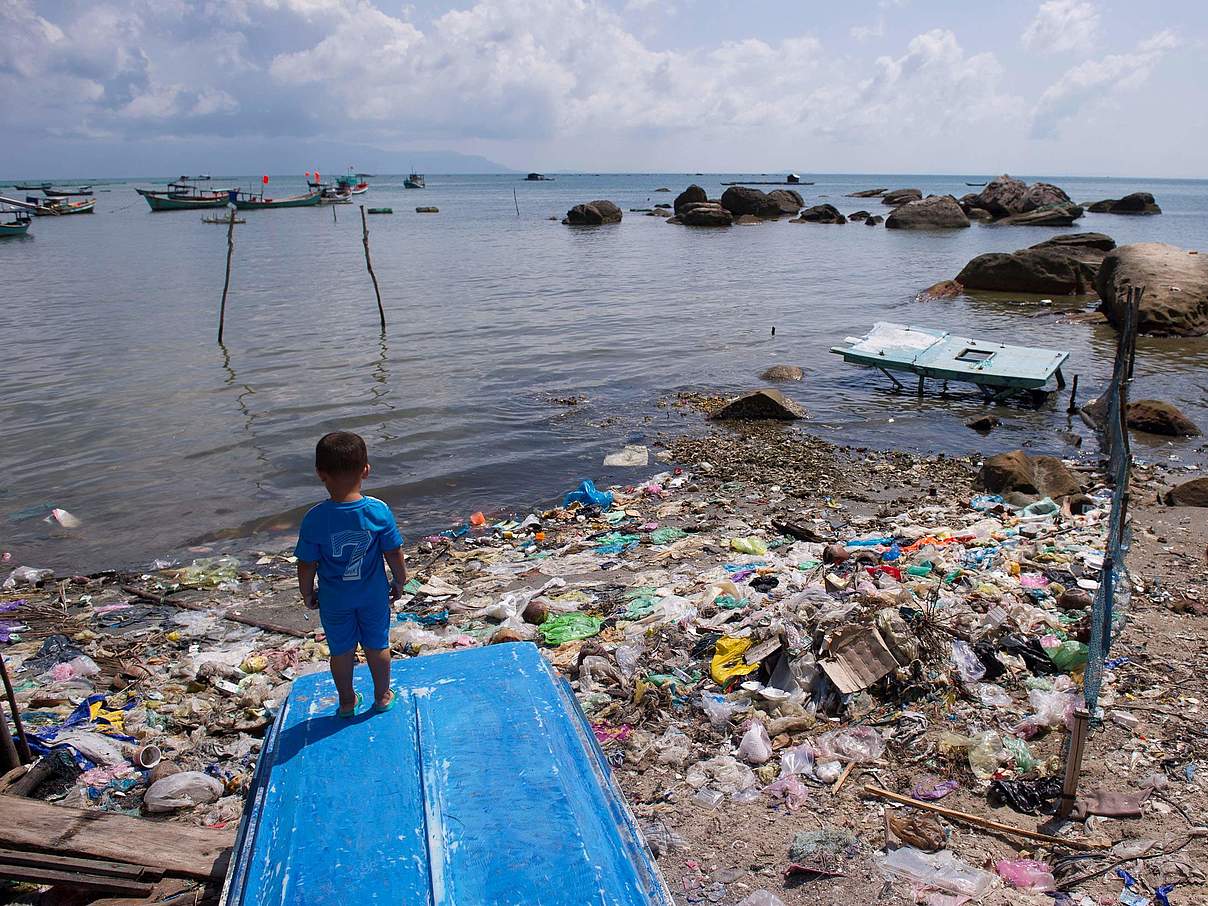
(264,179)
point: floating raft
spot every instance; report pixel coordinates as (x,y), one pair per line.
(997,368)
(484,784)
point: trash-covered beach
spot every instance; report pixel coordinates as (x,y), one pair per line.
(817,672)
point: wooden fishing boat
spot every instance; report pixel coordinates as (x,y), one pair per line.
(32,188)
(171,201)
(414,181)
(335,195)
(998,369)
(246,201)
(18,226)
(359,189)
(62,206)
(975,183)
(66,193)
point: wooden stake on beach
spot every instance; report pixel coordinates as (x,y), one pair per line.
(23,752)
(369,265)
(226,285)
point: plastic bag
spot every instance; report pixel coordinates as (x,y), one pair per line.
(587,495)
(1025,761)
(183,790)
(210,571)
(1068,655)
(929,788)
(728,660)
(1026,874)
(828,771)
(722,772)
(968,664)
(858,744)
(1052,708)
(995,696)
(96,747)
(749,545)
(756,745)
(26,575)
(982,749)
(797,760)
(789,790)
(942,870)
(629,656)
(719,709)
(761,897)
(569,627)
(673,748)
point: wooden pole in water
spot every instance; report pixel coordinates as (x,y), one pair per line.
(227,283)
(369,265)
(1073,397)
(516,200)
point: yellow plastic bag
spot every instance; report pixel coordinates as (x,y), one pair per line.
(727,659)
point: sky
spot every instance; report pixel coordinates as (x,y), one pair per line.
(1053,87)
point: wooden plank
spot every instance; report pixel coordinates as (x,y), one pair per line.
(177,849)
(76,880)
(57,862)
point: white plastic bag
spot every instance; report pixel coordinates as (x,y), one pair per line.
(183,790)
(756,746)
(761,897)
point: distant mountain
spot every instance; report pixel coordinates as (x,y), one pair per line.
(100,159)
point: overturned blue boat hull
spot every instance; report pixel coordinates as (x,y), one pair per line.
(483,785)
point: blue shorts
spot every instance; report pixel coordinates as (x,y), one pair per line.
(367,626)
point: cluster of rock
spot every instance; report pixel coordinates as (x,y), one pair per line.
(1135,203)
(1063,265)
(1012,201)
(1175,301)
(593,213)
(935,212)
(738,204)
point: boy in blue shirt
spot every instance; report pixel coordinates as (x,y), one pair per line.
(343,541)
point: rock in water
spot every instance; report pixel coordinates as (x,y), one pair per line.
(740,200)
(1051,215)
(935,212)
(1176,288)
(1158,417)
(821,213)
(1085,246)
(694,194)
(783,373)
(759,405)
(858,215)
(901,196)
(593,213)
(1006,196)
(1189,493)
(866,193)
(945,289)
(983,424)
(873,219)
(789,200)
(1017,472)
(1062,265)
(709,213)
(1136,203)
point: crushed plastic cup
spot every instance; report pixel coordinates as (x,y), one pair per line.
(941,870)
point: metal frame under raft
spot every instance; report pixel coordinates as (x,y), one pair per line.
(998,369)
(483,784)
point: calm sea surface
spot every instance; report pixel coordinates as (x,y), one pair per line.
(118,405)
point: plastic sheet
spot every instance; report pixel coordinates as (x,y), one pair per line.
(942,870)
(586,494)
(568,627)
(728,660)
(858,744)
(183,790)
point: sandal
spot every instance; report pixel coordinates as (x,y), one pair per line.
(356,707)
(382,709)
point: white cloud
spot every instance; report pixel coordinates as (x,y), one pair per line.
(1098,82)
(865,32)
(1061,26)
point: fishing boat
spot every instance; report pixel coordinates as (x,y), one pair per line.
(62,206)
(32,188)
(183,196)
(247,201)
(414,181)
(538,177)
(18,226)
(335,195)
(975,183)
(998,369)
(66,193)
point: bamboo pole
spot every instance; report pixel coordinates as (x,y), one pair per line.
(984,823)
(226,285)
(369,265)
(22,743)
(516,200)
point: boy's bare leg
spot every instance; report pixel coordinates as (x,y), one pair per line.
(379,667)
(341,672)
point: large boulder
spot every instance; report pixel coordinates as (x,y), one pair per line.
(706,214)
(783,373)
(1062,265)
(1006,196)
(1050,215)
(866,193)
(593,213)
(901,196)
(1158,417)
(759,405)
(694,194)
(873,219)
(935,212)
(740,200)
(1175,302)
(789,200)
(1189,493)
(1017,472)
(1135,203)
(858,215)
(821,213)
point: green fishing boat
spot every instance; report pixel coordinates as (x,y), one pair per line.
(246,201)
(182,196)
(19,226)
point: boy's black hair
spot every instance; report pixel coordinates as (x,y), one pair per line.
(341,453)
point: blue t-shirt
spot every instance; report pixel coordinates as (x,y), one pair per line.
(347,540)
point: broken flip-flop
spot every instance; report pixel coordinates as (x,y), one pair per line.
(356,707)
(382,709)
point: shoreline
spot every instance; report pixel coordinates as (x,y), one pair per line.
(734,484)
